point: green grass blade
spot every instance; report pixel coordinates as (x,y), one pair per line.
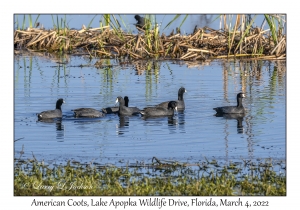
(23,25)
(66,25)
(183,20)
(109,22)
(115,26)
(91,22)
(116,21)
(61,23)
(123,22)
(17,22)
(57,23)
(53,22)
(149,22)
(106,19)
(216,18)
(271,23)
(36,20)
(176,16)
(30,21)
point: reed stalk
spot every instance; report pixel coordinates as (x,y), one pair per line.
(53,22)
(23,25)
(244,34)
(17,22)
(30,21)
(271,22)
(106,19)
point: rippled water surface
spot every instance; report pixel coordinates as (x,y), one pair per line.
(191,135)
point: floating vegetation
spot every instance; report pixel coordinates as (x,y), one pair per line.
(159,178)
(109,41)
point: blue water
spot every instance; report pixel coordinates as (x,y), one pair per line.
(189,136)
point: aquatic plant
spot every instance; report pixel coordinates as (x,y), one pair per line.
(240,39)
(32,177)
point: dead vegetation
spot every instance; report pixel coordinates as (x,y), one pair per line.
(202,44)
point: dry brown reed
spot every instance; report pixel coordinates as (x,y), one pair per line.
(204,43)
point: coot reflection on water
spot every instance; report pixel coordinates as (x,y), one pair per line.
(238,117)
(123,121)
(59,127)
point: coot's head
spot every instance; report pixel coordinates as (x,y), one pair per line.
(181,90)
(137,17)
(241,95)
(120,100)
(59,102)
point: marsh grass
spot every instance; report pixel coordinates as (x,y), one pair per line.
(240,29)
(30,22)
(160,177)
(237,39)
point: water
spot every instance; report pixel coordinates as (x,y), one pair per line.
(190,136)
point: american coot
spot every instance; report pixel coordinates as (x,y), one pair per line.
(87,112)
(239,109)
(140,22)
(115,109)
(160,111)
(180,101)
(123,110)
(56,113)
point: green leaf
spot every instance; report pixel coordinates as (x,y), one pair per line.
(176,16)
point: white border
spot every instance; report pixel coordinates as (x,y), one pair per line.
(153,6)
